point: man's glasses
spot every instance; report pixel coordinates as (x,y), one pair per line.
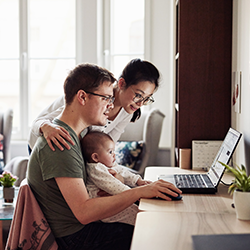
(139,98)
(107,98)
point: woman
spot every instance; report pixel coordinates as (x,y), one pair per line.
(135,87)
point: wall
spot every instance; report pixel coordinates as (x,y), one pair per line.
(162,54)
(241,63)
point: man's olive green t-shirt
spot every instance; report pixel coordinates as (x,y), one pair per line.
(44,165)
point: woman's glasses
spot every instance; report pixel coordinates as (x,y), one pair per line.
(139,98)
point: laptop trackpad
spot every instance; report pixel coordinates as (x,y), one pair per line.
(169,178)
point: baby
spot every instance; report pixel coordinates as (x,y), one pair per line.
(98,152)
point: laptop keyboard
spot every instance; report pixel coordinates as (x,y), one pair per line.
(192,181)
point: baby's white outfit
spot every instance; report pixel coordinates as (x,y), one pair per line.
(99,178)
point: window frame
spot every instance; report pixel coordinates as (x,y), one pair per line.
(21,133)
(96,17)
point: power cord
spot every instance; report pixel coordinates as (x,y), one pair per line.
(226,184)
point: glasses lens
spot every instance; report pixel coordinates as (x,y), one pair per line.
(138,99)
(111,99)
(148,101)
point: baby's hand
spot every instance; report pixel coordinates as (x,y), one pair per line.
(142,182)
(102,193)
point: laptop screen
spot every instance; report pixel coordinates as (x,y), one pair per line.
(224,154)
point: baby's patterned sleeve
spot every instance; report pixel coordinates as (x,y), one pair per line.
(101,177)
(130,178)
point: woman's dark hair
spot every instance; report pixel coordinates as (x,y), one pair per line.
(87,77)
(136,71)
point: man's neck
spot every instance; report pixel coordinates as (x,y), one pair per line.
(72,119)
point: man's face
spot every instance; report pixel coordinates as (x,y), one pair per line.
(98,106)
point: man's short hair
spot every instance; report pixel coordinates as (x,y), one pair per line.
(87,77)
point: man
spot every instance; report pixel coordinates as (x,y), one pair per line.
(57,178)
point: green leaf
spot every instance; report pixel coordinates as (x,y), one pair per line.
(242,181)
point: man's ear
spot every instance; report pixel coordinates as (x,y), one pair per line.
(81,96)
(121,83)
(94,157)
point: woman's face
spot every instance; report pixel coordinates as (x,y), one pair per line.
(142,89)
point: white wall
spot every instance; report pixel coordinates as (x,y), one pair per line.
(241,63)
(161,54)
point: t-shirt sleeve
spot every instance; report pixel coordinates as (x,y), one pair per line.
(66,163)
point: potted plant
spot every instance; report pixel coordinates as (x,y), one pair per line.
(7,180)
(240,188)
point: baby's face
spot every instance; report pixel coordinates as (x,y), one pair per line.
(106,155)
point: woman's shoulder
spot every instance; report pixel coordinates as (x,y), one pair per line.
(123,115)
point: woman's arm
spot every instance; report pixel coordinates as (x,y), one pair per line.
(56,135)
(42,125)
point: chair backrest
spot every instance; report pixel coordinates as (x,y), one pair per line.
(6,120)
(134,130)
(148,129)
(18,167)
(29,228)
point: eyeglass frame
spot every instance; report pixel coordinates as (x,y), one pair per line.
(108,99)
(150,98)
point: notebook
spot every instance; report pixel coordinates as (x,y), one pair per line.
(221,242)
(207,183)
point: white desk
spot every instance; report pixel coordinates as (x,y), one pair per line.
(169,225)
(217,203)
(173,230)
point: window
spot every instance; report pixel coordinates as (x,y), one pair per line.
(9,55)
(37,45)
(126,33)
(41,40)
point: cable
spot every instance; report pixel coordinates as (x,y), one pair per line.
(225,183)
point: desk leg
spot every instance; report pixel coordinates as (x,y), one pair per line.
(1,235)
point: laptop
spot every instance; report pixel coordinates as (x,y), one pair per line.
(207,183)
(221,241)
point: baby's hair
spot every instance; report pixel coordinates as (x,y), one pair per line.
(91,142)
